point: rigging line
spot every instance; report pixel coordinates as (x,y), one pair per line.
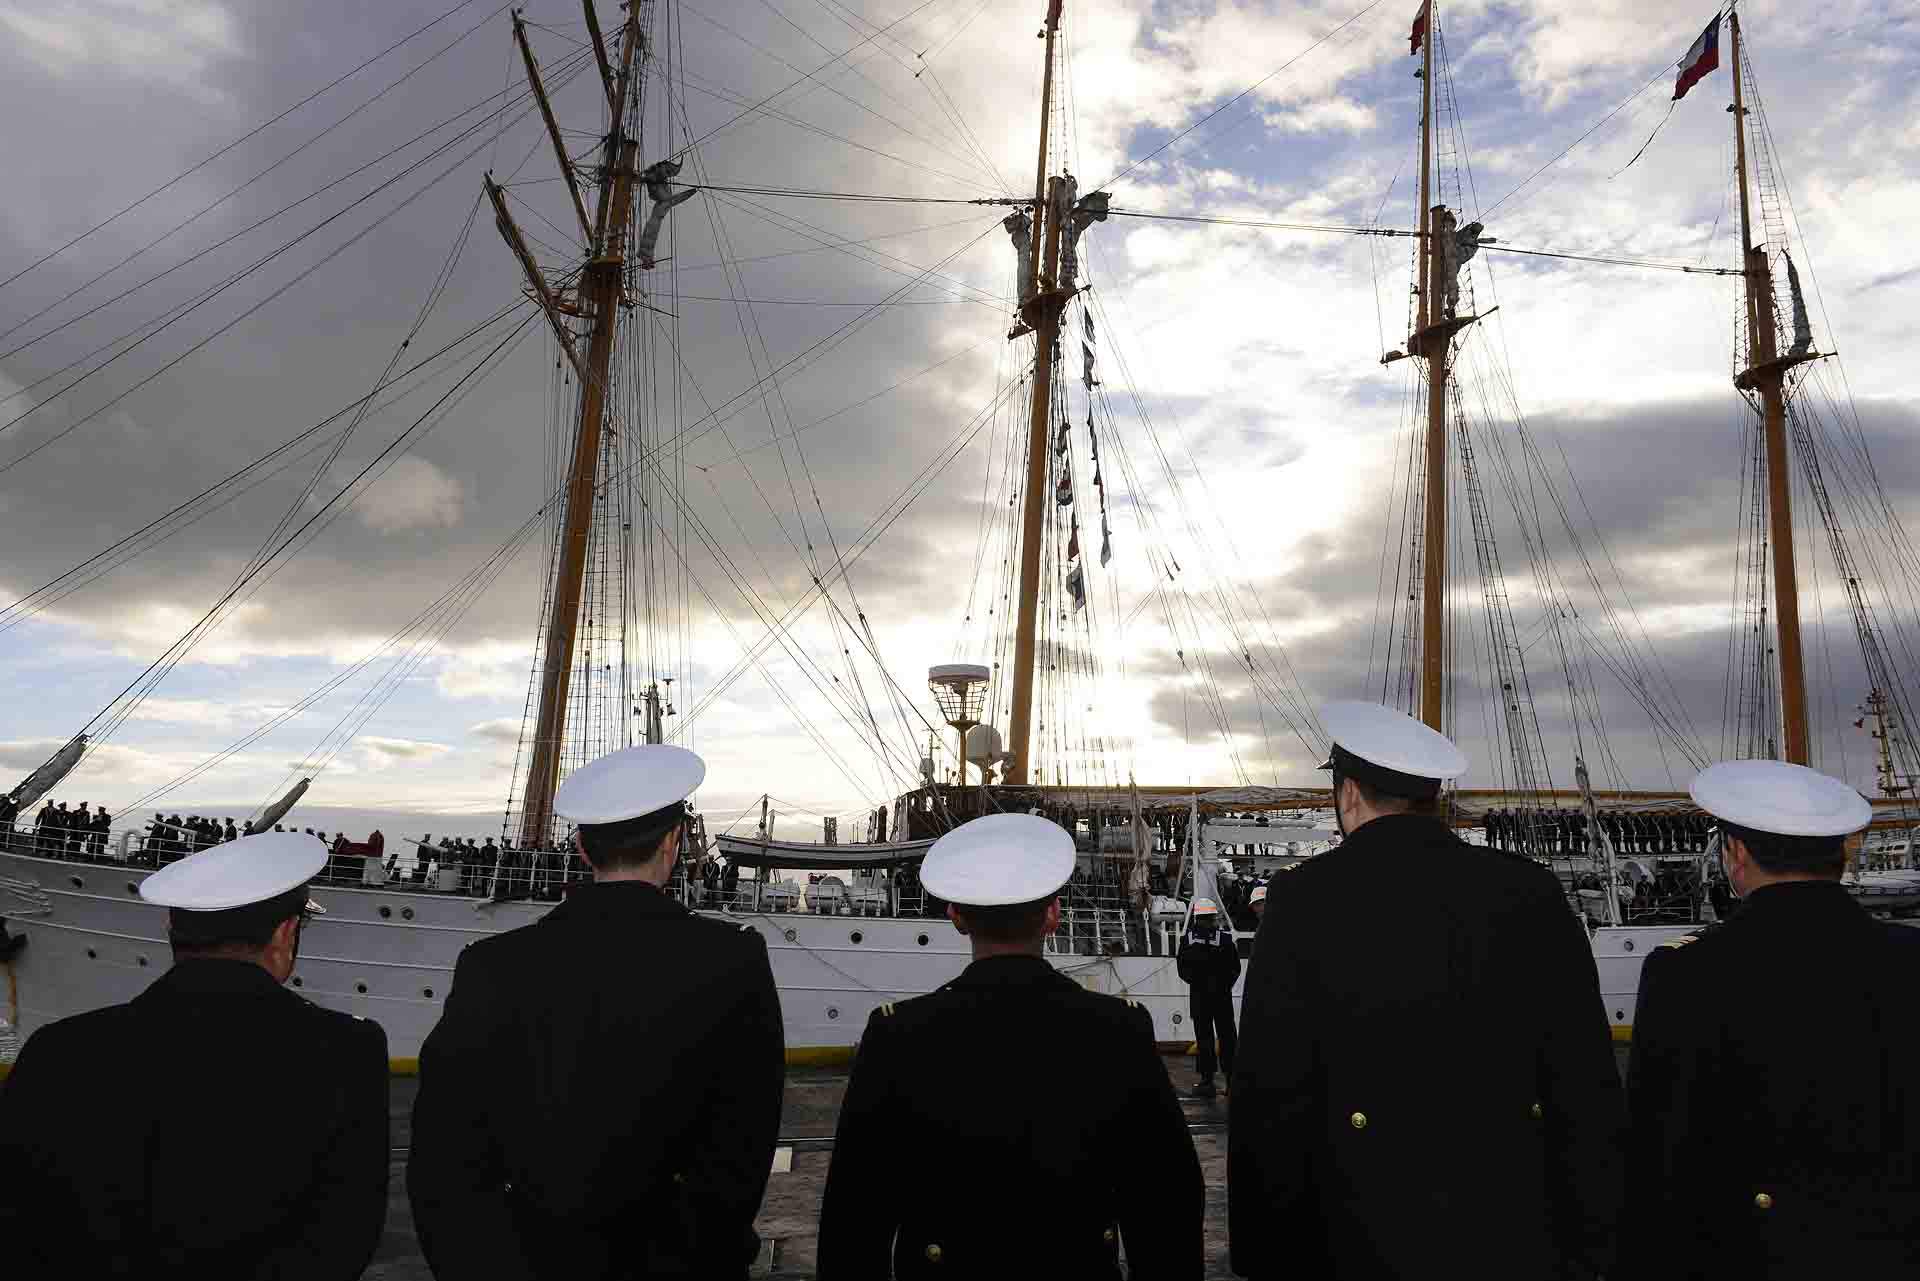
(928,56)
(253,133)
(785,89)
(1665,70)
(439,148)
(944,146)
(364,232)
(264,459)
(824,302)
(91,571)
(1607,260)
(944,100)
(700,85)
(863,240)
(308,523)
(1281,69)
(208,208)
(861,197)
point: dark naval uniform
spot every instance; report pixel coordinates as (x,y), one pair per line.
(1426,1084)
(1210,966)
(1775,1092)
(216,1127)
(1011,1124)
(601,1096)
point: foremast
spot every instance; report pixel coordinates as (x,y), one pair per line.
(1040,311)
(1766,374)
(600,295)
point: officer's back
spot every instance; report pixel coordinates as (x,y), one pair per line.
(1776,1063)
(1010,1122)
(601,1095)
(217,1126)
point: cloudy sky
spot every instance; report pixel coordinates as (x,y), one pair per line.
(1253,442)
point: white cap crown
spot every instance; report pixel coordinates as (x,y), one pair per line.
(629,783)
(1392,740)
(998,860)
(239,873)
(1776,797)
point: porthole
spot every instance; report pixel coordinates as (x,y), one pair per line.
(427,992)
(856,936)
(1177,1020)
(143,962)
(76,882)
(92,955)
(791,936)
(386,913)
(361,988)
(922,940)
(1627,946)
(133,888)
(1619,1016)
(406,914)
(832,1012)
(298,981)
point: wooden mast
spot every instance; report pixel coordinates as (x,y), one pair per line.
(601,294)
(1767,375)
(1432,341)
(1042,313)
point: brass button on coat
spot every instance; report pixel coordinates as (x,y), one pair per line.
(933,1254)
(1107,1236)
(1537,1112)
(1359,1120)
(1762,1201)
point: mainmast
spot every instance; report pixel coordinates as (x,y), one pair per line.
(1041,312)
(1432,345)
(1767,374)
(600,296)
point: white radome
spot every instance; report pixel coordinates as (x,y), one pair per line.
(629,783)
(1786,800)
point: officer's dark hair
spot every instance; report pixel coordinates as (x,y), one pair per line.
(248,928)
(1388,803)
(631,841)
(1793,855)
(1007,922)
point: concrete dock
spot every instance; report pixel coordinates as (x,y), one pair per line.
(790,1214)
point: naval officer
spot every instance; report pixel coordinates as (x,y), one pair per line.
(217,1125)
(602,1094)
(1011,1123)
(1775,1080)
(1426,1083)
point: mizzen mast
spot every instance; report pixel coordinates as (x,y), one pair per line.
(1039,311)
(1766,374)
(599,297)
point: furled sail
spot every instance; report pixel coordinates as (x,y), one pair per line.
(1020,230)
(1456,247)
(1075,217)
(48,776)
(1802,327)
(278,810)
(657,177)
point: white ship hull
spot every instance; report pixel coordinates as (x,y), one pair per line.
(389,955)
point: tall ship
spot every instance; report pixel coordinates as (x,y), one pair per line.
(1510,627)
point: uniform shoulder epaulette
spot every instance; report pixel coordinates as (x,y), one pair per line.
(886,1009)
(1682,941)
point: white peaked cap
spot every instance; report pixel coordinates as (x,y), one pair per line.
(1204,907)
(1259,895)
(239,873)
(629,783)
(999,859)
(1786,800)
(1392,740)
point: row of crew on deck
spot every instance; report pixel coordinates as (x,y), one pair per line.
(602,1095)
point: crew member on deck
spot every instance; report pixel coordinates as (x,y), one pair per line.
(956,1156)
(601,1096)
(1775,1081)
(256,1142)
(1209,964)
(1426,1084)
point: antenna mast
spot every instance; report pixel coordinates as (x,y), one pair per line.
(601,294)
(1041,312)
(1767,374)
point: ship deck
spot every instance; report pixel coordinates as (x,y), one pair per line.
(790,1213)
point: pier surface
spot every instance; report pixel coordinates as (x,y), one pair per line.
(790,1215)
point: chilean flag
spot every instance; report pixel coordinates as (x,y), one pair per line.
(1703,57)
(1420,27)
